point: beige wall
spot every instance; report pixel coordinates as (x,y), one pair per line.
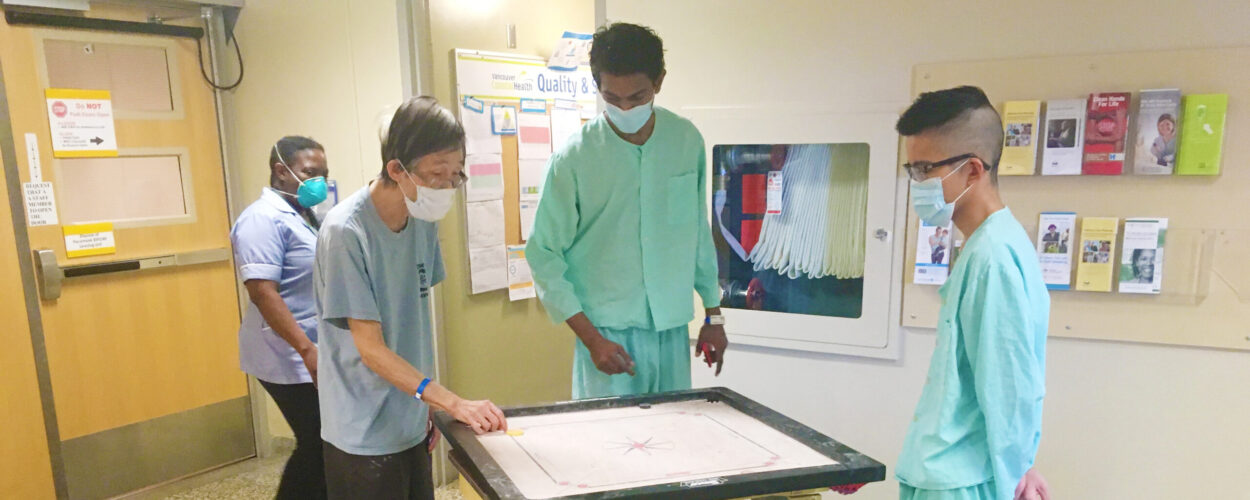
(325,68)
(321,68)
(506,351)
(1122,420)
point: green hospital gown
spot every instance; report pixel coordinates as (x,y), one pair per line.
(978,423)
(622,232)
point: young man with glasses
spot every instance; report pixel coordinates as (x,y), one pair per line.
(976,429)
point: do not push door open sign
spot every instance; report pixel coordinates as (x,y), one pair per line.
(81,123)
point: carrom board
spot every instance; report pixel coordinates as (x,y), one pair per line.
(707,443)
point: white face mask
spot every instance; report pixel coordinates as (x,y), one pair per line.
(630,120)
(432,204)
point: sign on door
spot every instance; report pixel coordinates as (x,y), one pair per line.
(81,123)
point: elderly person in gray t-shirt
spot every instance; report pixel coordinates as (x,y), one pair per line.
(377,258)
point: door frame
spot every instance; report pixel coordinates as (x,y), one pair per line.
(26,263)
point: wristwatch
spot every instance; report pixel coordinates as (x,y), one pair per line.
(714,319)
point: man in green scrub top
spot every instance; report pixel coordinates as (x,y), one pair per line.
(622,239)
(979,420)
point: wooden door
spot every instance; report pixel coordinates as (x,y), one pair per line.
(143,362)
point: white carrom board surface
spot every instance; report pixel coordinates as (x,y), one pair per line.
(592,451)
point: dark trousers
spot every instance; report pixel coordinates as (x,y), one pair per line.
(304,476)
(406,475)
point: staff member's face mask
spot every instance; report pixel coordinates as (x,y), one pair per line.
(311,191)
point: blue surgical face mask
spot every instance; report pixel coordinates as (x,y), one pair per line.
(928,199)
(631,120)
(311,192)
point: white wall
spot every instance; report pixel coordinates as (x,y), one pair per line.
(1122,420)
(320,68)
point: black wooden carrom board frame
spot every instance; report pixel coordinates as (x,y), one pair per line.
(479,468)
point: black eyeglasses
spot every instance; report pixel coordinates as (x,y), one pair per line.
(919,171)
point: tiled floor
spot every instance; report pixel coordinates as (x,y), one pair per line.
(255,478)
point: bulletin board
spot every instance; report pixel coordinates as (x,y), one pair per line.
(492,79)
(504,79)
(1205,299)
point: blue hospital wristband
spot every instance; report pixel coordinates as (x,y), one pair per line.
(421,389)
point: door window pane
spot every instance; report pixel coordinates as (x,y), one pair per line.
(125,188)
(136,75)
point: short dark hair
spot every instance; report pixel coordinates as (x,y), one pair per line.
(625,49)
(1167,117)
(288,147)
(419,127)
(935,109)
(951,109)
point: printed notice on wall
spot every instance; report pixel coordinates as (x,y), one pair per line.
(1141,266)
(503,120)
(485,177)
(535,136)
(477,135)
(566,120)
(488,268)
(1098,235)
(529,210)
(531,175)
(520,281)
(933,255)
(1054,248)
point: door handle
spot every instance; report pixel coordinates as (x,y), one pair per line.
(48,274)
(51,275)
